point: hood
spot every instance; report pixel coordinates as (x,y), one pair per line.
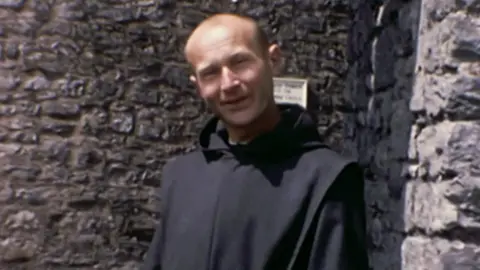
(296,132)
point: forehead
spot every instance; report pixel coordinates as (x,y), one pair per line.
(217,43)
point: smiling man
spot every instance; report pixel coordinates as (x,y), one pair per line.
(262,191)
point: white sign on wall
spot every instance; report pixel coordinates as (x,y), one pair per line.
(290,90)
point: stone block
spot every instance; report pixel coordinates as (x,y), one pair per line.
(9,81)
(50,126)
(427,209)
(466,41)
(461,258)
(432,144)
(122,122)
(470,5)
(12,3)
(16,250)
(462,154)
(60,109)
(421,253)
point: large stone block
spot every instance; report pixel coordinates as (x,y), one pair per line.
(421,253)
(448,158)
(427,209)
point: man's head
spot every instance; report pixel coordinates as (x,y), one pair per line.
(233,66)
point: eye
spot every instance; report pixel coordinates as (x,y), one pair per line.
(239,59)
(209,73)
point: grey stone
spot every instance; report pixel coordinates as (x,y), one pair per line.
(46,95)
(23,173)
(59,109)
(122,122)
(53,151)
(14,250)
(429,209)
(73,88)
(5,97)
(37,83)
(463,167)
(467,258)
(463,103)
(71,10)
(149,131)
(12,51)
(24,136)
(470,5)
(424,253)
(117,14)
(88,156)
(24,219)
(36,197)
(8,81)
(12,3)
(466,41)
(438,10)
(27,108)
(57,127)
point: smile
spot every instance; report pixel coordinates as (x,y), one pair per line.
(235,101)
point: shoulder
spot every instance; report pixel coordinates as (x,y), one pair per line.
(182,160)
(326,159)
(175,167)
(336,173)
(181,163)
(332,167)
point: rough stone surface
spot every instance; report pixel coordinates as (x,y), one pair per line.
(94,97)
(442,200)
(382,54)
(414,82)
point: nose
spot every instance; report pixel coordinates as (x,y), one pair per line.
(229,80)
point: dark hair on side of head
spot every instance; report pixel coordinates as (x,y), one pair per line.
(262,37)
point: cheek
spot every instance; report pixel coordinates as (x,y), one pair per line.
(254,81)
(207,92)
(254,75)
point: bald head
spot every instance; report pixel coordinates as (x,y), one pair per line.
(233,65)
(235,23)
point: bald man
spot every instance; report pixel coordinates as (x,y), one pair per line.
(261,191)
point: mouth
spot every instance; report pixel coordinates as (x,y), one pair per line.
(234,102)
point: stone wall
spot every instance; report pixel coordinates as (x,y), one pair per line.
(94,97)
(382,58)
(442,215)
(413,84)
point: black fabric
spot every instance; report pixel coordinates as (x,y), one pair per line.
(282,201)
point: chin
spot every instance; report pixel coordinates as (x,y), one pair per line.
(239,119)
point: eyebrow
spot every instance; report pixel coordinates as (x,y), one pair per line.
(235,53)
(205,68)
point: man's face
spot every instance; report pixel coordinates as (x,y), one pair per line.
(233,74)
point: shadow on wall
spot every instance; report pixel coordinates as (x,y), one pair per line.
(382,55)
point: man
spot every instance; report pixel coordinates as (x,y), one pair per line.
(261,192)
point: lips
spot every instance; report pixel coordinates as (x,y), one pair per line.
(233,102)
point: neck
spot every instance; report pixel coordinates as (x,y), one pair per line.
(264,123)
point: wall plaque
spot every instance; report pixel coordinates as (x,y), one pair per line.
(290,90)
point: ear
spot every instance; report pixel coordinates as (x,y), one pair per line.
(276,59)
(193,79)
